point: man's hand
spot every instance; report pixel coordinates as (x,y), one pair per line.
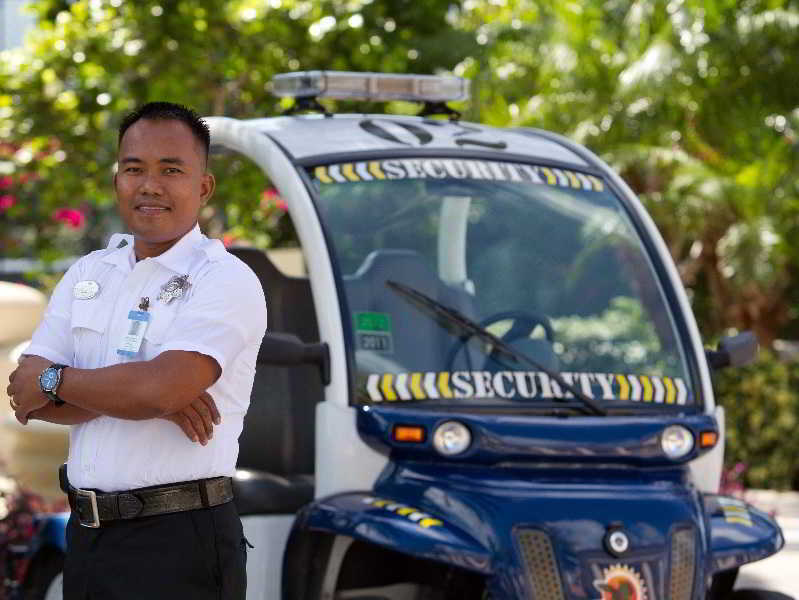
(23,387)
(197,420)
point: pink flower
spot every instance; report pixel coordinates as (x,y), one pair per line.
(70,216)
(5,182)
(228,240)
(6,202)
(271,197)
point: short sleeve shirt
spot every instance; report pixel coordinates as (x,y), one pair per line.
(221,313)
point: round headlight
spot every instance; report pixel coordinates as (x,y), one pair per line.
(451,438)
(676,441)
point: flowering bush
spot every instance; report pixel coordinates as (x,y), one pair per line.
(17,525)
(762,413)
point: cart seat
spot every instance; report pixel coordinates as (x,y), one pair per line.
(276,447)
(420,342)
(257,492)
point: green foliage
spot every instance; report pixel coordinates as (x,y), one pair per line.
(762,413)
(90,62)
(695,102)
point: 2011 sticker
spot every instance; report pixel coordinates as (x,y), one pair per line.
(373,332)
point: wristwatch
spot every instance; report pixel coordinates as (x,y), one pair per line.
(49,381)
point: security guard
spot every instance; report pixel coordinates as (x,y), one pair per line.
(139,346)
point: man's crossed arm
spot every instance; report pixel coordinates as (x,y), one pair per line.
(171,386)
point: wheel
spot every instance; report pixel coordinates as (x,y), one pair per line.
(524,323)
(757,595)
(340,568)
(45,578)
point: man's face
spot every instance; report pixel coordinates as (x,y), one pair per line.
(161,183)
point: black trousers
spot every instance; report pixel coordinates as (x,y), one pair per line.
(196,554)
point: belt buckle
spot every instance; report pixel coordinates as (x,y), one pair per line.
(92,498)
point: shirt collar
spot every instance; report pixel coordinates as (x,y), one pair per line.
(176,258)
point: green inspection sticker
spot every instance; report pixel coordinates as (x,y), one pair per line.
(372,321)
(373,332)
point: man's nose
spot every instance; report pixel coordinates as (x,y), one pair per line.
(151,184)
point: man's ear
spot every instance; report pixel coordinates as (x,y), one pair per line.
(207,187)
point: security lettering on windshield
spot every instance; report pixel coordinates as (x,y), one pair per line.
(525,385)
(441,168)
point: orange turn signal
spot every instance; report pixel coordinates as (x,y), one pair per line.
(708,439)
(408,433)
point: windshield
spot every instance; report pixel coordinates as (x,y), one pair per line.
(544,259)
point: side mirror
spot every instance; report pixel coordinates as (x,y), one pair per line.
(287,349)
(735,351)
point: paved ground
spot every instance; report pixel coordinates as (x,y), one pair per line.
(780,572)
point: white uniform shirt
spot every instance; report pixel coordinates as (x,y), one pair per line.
(222,314)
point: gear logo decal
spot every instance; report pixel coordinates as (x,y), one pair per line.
(621,583)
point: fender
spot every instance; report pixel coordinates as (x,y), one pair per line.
(739,533)
(397,525)
(52,532)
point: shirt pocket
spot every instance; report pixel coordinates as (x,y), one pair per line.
(89,322)
(162,317)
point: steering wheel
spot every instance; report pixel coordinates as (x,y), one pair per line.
(524,323)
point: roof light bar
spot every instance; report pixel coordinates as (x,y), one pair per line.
(376,87)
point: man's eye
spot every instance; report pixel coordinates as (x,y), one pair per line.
(172,170)
(132,170)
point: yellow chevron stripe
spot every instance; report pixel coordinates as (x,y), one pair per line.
(551,179)
(348,170)
(387,388)
(321,174)
(573,179)
(648,389)
(429,522)
(416,387)
(443,385)
(405,511)
(597,183)
(671,391)
(624,387)
(374,168)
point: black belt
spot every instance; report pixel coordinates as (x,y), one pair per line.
(92,507)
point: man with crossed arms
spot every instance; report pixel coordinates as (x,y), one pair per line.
(140,343)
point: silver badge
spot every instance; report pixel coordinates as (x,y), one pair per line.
(86,290)
(174,288)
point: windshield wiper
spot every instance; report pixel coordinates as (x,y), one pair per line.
(457,318)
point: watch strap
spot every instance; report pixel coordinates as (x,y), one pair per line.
(53,394)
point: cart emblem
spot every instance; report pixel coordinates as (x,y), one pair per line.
(621,583)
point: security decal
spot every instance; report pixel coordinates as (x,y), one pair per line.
(442,168)
(433,385)
(422,519)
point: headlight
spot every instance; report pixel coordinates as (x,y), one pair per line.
(676,441)
(452,438)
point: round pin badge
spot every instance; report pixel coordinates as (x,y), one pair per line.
(86,290)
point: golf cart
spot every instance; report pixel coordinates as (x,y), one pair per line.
(490,385)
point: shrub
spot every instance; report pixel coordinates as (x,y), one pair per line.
(762,407)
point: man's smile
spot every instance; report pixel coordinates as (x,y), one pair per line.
(151,208)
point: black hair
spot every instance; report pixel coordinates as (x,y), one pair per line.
(171,112)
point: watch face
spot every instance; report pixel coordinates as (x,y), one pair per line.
(49,379)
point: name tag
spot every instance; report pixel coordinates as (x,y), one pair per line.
(137,325)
